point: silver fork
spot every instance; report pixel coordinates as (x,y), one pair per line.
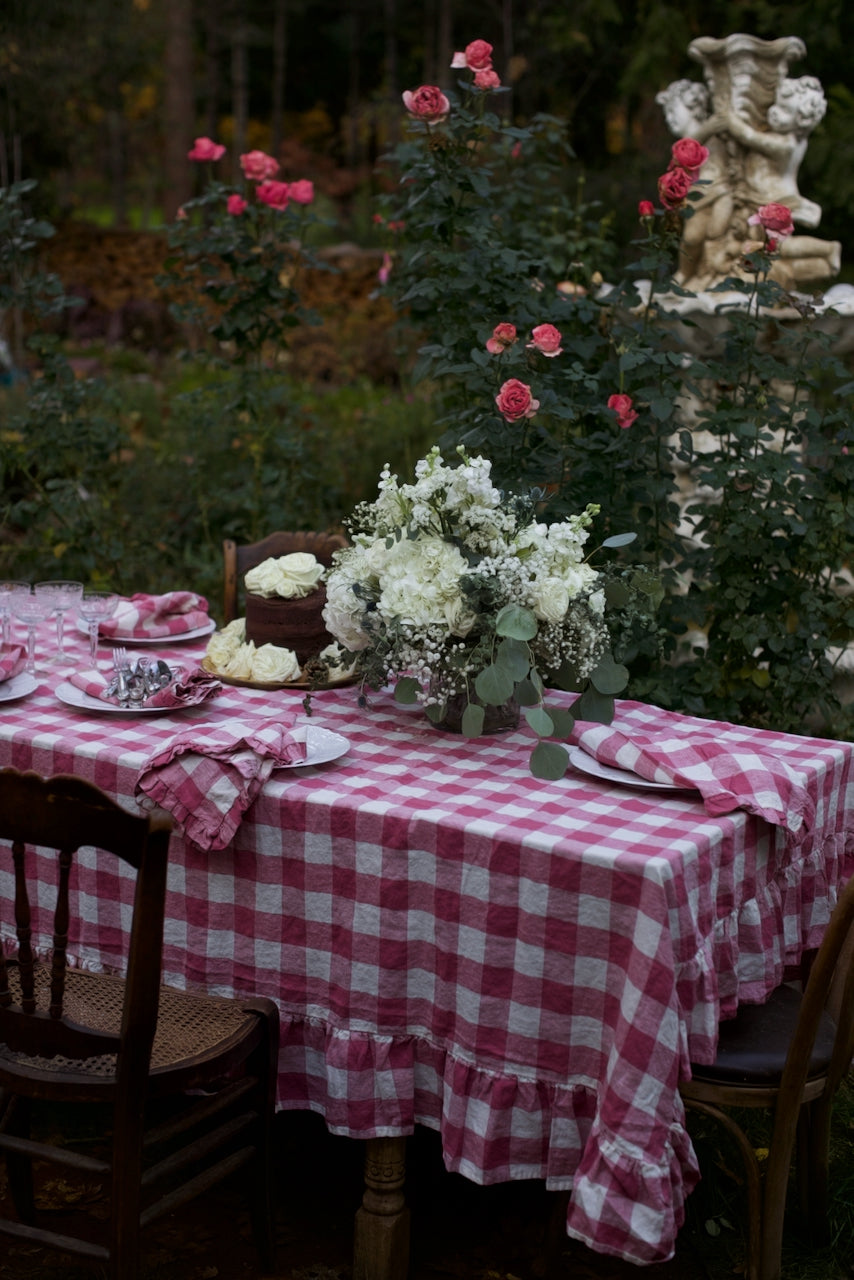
(121,666)
(120,657)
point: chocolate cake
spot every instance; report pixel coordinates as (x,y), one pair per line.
(291,624)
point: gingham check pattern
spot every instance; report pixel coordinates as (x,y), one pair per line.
(12,661)
(728,773)
(527,967)
(152,617)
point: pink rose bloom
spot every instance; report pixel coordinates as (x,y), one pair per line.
(236,205)
(301,192)
(515,401)
(773,217)
(623,407)
(427,103)
(688,154)
(646,209)
(477,56)
(257,166)
(275,194)
(385,270)
(206,149)
(503,336)
(546,340)
(673,187)
(488,79)
(516,150)
(181,214)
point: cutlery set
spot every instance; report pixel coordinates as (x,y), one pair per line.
(136,679)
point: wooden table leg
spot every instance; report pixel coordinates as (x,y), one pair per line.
(381,1241)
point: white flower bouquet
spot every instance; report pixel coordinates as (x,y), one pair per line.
(453,591)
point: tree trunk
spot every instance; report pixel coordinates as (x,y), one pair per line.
(445,43)
(239,91)
(507,38)
(392,85)
(280,62)
(352,141)
(178,106)
(213,22)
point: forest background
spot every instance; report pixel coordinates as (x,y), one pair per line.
(98,98)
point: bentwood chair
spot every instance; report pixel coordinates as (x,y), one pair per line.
(237,559)
(204,1067)
(789,1055)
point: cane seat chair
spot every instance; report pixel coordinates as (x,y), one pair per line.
(238,558)
(190,1078)
(789,1055)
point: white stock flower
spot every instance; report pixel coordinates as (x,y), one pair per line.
(272,664)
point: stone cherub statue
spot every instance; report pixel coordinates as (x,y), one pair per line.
(755,121)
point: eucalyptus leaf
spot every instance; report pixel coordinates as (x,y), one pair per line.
(516,622)
(407,690)
(609,677)
(563,720)
(472,721)
(620,540)
(494,686)
(435,712)
(596,707)
(525,693)
(514,657)
(549,761)
(540,721)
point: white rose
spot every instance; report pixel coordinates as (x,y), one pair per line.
(458,617)
(222,648)
(236,630)
(550,599)
(272,664)
(263,580)
(239,666)
(342,614)
(299,573)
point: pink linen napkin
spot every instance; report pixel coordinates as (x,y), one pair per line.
(729,771)
(12,662)
(146,617)
(91,682)
(208,776)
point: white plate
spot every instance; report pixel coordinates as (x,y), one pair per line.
(18,687)
(589,764)
(165,641)
(74,697)
(321,745)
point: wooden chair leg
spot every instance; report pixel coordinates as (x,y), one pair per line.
(816,1162)
(15,1121)
(381,1243)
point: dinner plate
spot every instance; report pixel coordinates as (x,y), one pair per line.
(18,686)
(336,682)
(608,773)
(321,745)
(74,697)
(165,641)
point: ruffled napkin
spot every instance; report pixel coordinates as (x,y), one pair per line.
(12,662)
(729,770)
(145,617)
(186,690)
(208,776)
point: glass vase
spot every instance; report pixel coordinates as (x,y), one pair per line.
(503,718)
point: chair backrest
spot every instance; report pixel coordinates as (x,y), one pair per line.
(237,559)
(63,814)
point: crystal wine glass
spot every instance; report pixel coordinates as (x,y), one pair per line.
(64,596)
(9,589)
(31,610)
(94,607)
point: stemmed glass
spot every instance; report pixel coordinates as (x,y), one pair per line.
(31,610)
(9,589)
(94,607)
(64,596)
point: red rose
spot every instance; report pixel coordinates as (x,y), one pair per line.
(301,192)
(673,187)
(773,217)
(546,340)
(515,401)
(646,209)
(624,409)
(275,194)
(428,103)
(235,205)
(477,56)
(257,166)
(688,154)
(503,336)
(488,79)
(206,149)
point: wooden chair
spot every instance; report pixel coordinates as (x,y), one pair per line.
(237,559)
(73,1037)
(789,1055)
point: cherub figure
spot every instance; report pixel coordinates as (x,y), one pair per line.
(774,156)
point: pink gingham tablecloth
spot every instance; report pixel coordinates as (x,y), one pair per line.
(527,967)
